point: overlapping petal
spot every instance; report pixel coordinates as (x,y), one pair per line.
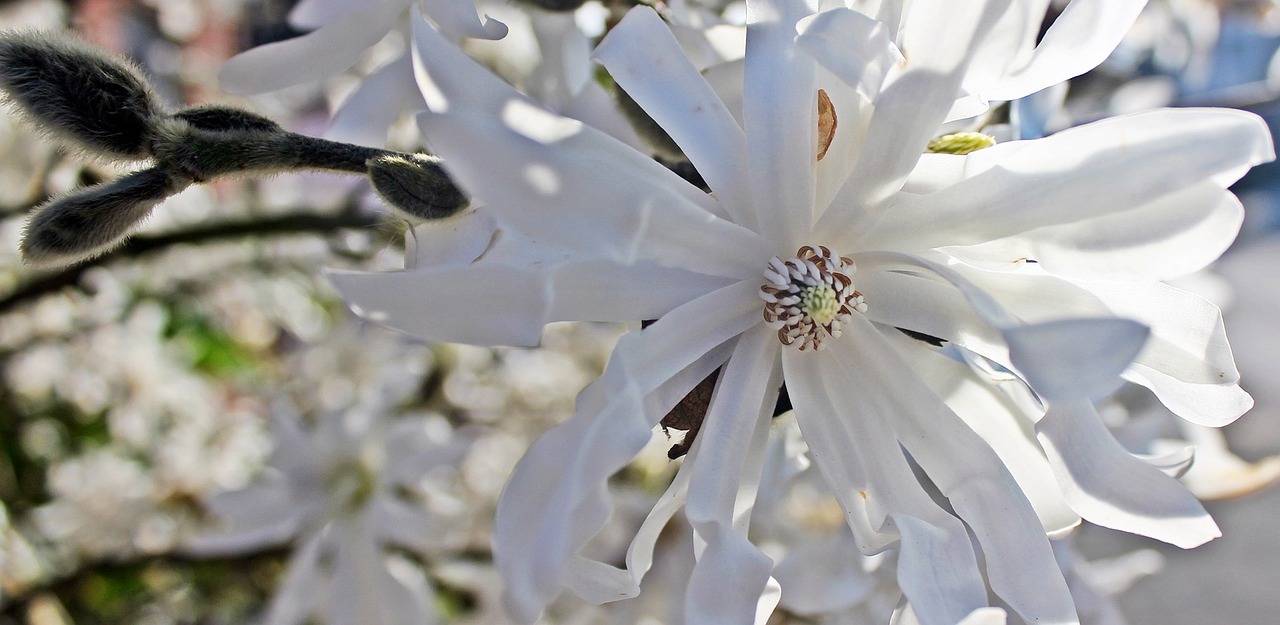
(780,118)
(557,499)
(1173,236)
(1083,172)
(909,110)
(438,303)
(548,167)
(1019,561)
(314,56)
(722,485)
(1110,487)
(643,57)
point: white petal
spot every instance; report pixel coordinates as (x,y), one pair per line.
(1220,474)
(295,598)
(829,444)
(1190,342)
(557,498)
(312,57)
(1186,339)
(1075,358)
(918,303)
(457,19)
(1212,405)
(454,241)
(644,58)
(596,582)
(1090,170)
(910,109)
(728,581)
(261,515)
(823,575)
(365,116)
(937,567)
(780,114)
(727,463)
(1111,488)
(990,415)
(1173,236)
(412,527)
(853,46)
(1019,561)
(551,171)
(1082,37)
(511,308)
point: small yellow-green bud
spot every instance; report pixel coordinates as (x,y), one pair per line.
(960,143)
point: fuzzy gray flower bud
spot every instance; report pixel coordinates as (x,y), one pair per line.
(88,222)
(415,184)
(79,94)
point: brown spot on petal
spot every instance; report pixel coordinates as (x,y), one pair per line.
(826,123)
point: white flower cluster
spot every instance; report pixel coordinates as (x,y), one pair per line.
(1004,292)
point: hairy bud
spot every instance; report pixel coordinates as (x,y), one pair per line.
(88,222)
(79,94)
(416,184)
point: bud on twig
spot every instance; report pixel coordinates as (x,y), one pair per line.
(106,107)
(79,94)
(416,185)
(86,223)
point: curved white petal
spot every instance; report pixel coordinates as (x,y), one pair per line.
(454,241)
(457,19)
(516,302)
(1110,487)
(989,414)
(1186,362)
(314,56)
(294,599)
(830,442)
(780,113)
(1075,358)
(364,117)
(853,46)
(937,567)
(1019,561)
(1211,405)
(1173,236)
(823,575)
(910,109)
(643,57)
(722,484)
(1084,172)
(557,498)
(1081,38)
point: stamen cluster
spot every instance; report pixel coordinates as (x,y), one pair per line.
(810,297)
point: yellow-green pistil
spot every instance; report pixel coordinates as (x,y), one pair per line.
(820,303)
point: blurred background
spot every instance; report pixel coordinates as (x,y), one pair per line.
(140,391)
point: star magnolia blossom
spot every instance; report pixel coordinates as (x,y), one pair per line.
(337,492)
(821,238)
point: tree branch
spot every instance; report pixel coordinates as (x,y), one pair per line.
(142,245)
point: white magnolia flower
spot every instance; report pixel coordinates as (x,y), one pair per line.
(825,194)
(337,492)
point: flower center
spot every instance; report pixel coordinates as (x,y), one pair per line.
(809,298)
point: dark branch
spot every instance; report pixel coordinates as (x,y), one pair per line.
(208,233)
